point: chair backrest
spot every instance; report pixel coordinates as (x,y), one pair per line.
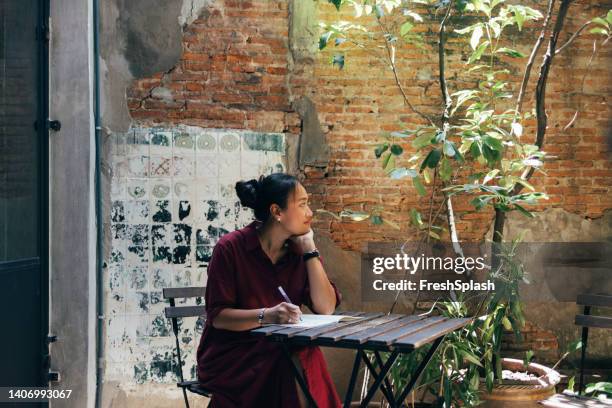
(594,300)
(175,312)
(184,311)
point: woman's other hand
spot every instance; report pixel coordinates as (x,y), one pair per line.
(305,241)
(282,313)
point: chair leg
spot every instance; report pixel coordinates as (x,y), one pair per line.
(185,397)
(585,337)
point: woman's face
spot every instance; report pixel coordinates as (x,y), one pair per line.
(298,216)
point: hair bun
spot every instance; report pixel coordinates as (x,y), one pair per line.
(247,192)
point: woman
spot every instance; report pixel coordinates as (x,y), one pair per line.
(246,269)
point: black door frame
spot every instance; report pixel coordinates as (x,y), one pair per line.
(42,31)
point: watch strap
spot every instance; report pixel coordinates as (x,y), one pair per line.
(311,254)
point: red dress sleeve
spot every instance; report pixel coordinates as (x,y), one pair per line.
(221,283)
(308,299)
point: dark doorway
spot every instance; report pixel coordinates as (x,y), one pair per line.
(24,194)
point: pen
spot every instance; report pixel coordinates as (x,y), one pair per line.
(280,289)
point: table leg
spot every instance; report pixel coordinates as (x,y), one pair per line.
(351,387)
(298,376)
(417,374)
(386,388)
(379,379)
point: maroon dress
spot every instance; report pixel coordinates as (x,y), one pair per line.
(242,370)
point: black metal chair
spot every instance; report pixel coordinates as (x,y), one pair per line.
(575,400)
(586,320)
(176,312)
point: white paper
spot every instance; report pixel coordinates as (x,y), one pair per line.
(314,320)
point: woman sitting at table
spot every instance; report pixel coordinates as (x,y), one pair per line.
(246,269)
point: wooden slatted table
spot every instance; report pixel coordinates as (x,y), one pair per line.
(376,332)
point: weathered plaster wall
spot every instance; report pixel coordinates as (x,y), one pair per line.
(553,320)
(72,226)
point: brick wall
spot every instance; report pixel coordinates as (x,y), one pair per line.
(232,73)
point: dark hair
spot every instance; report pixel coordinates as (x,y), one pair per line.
(261,194)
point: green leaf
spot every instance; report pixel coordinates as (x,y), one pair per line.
(599,30)
(446,170)
(574,346)
(378,11)
(377,220)
(422,141)
(476,36)
(525,184)
(475,150)
(470,357)
(396,149)
(600,21)
(601,386)
(496,28)
(570,384)
(427,175)
(510,52)
(493,142)
(386,160)
(401,134)
(433,235)
(324,39)
(490,176)
(478,52)
(402,172)
(416,218)
(462,97)
(527,358)
(517,129)
(449,149)
(416,181)
(609,17)
(489,380)
(439,137)
(475,380)
(355,215)
(390,163)
(380,149)
(338,59)
(336,3)
(432,159)
(405,28)
(506,323)
(524,211)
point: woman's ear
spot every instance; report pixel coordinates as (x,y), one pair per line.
(275,211)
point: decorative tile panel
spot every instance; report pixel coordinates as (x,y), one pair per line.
(172,197)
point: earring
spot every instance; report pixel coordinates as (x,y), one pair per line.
(278,219)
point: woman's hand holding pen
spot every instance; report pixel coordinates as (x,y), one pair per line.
(282,313)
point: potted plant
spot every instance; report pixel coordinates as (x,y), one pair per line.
(475,147)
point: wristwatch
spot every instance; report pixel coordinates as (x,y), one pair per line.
(311,254)
(260,316)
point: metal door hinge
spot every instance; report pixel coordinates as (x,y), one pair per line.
(54,125)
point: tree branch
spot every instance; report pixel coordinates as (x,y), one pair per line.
(573,37)
(441,62)
(534,52)
(397,80)
(500,215)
